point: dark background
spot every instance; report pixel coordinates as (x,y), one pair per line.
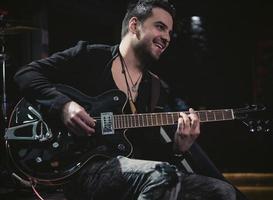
(226,62)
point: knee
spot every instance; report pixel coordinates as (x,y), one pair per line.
(225,190)
(166,173)
(161,180)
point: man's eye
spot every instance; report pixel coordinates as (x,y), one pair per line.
(160,27)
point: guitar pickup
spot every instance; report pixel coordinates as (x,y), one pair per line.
(107,127)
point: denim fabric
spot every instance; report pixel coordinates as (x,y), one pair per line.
(197,187)
(122,178)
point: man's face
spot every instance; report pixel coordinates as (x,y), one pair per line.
(154,34)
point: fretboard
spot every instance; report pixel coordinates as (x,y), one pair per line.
(124,121)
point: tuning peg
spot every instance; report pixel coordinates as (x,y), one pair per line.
(267,130)
(252,130)
(259,128)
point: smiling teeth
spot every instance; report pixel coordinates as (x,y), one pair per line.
(159,46)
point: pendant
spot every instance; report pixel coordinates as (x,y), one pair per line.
(134,88)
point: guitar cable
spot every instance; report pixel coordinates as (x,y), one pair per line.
(29,183)
(36,192)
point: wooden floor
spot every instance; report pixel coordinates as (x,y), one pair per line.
(256,186)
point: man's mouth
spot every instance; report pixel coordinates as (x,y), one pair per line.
(160,46)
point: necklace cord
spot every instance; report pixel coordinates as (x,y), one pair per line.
(123,64)
(124,73)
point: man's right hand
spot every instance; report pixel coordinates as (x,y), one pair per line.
(77,120)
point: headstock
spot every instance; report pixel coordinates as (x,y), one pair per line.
(256,118)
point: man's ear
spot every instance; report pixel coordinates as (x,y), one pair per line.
(133,23)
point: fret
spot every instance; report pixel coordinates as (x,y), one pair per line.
(143,121)
(164,118)
(219,115)
(129,121)
(169,118)
(228,114)
(139,120)
(203,116)
(150,119)
(161,118)
(172,118)
(125,120)
(122,121)
(210,115)
(153,120)
(132,120)
(146,119)
(136,120)
(117,121)
(156,119)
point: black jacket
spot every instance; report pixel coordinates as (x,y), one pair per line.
(88,68)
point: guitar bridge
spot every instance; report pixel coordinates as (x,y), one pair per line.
(107,127)
(34,128)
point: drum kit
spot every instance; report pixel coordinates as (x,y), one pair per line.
(8,28)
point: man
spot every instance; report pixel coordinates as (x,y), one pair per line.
(94,69)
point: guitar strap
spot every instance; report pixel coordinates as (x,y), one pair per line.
(155,90)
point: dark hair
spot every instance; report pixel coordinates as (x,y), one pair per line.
(142,10)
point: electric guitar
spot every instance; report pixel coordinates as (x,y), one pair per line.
(44,150)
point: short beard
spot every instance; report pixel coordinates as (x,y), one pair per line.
(144,55)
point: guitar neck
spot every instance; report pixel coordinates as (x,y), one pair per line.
(124,121)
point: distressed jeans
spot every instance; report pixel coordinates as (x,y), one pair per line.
(123,178)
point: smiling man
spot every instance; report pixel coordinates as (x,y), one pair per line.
(148,173)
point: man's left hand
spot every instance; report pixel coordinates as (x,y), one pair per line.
(188,129)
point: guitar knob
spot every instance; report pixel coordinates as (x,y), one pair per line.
(38,160)
(116,98)
(121,147)
(55,145)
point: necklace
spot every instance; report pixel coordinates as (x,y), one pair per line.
(134,88)
(134,85)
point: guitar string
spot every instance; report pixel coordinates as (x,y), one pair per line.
(165,113)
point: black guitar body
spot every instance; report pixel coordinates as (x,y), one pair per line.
(43,150)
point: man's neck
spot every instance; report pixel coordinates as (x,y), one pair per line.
(129,56)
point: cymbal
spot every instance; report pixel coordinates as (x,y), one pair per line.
(12,30)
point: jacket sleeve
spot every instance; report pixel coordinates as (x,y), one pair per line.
(36,79)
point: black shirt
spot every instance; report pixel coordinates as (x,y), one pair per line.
(88,68)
